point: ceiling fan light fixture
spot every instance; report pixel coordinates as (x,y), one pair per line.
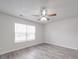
(45,14)
(43,19)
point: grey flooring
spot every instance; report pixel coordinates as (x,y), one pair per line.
(42,51)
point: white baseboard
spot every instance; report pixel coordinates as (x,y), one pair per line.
(15,49)
(33,45)
(62,46)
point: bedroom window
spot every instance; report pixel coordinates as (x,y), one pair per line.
(24,32)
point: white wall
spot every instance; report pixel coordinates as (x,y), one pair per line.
(62,33)
(7,38)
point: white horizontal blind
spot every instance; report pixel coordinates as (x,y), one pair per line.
(24,32)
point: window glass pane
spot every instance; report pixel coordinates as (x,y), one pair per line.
(20,28)
(31,37)
(20,32)
(24,32)
(30,29)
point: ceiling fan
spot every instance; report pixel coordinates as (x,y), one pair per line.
(44,13)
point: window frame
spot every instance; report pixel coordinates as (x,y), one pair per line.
(27,33)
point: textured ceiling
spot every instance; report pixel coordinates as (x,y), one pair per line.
(28,8)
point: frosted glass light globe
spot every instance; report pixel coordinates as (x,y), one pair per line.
(43,19)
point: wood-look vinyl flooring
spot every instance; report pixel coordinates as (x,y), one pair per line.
(42,51)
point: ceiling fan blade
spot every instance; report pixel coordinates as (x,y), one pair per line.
(51,14)
(36,15)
